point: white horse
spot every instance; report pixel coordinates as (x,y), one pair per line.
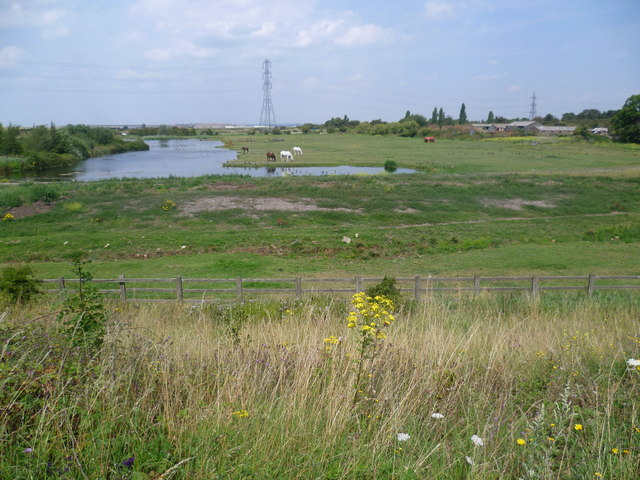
(297,151)
(286,154)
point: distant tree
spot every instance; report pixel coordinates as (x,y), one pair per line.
(441,117)
(490,118)
(407,115)
(568,117)
(589,114)
(434,116)
(550,120)
(625,123)
(462,118)
(1,139)
(163,130)
(11,144)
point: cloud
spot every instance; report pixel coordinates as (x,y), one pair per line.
(361,35)
(438,9)
(9,55)
(180,49)
(514,88)
(34,15)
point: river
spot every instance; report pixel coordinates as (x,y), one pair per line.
(181,158)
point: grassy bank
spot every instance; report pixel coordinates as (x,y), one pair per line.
(263,391)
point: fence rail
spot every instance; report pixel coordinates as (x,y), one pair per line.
(237,289)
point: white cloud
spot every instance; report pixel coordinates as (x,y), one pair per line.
(514,88)
(180,49)
(361,35)
(34,15)
(493,62)
(438,9)
(9,55)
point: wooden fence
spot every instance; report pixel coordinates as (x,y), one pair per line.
(238,289)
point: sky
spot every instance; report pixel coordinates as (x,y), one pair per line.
(129,62)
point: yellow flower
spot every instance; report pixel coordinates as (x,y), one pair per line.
(551,439)
(332,340)
(521,441)
(626,452)
(615,451)
(598,474)
(240,413)
(578,427)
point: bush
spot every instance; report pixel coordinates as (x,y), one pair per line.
(387,287)
(390,166)
(19,284)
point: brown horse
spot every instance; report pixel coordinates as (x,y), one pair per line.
(429,139)
(245,149)
(271,157)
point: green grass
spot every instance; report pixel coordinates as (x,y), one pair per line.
(168,392)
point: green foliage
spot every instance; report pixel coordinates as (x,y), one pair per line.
(83,314)
(625,123)
(390,165)
(462,118)
(19,284)
(386,288)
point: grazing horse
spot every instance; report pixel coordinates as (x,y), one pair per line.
(286,154)
(297,151)
(245,149)
(429,139)
(271,157)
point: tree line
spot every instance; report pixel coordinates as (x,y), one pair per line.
(48,146)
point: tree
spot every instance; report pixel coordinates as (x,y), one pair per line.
(1,139)
(625,123)
(434,115)
(441,117)
(490,118)
(462,118)
(11,143)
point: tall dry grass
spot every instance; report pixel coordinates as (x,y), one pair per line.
(255,392)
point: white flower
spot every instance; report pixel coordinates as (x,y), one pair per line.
(183,246)
(403,437)
(357,235)
(346,240)
(65,243)
(632,362)
(107,245)
(469,460)
(477,441)
(437,415)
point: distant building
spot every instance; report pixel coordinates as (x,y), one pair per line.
(600,131)
(555,130)
(522,126)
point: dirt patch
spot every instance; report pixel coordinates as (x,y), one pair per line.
(405,210)
(30,210)
(515,203)
(212,204)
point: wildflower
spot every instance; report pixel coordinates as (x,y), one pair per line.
(551,439)
(598,474)
(477,441)
(332,340)
(28,450)
(129,462)
(521,441)
(633,363)
(626,452)
(403,437)
(578,427)
(240,414)
(183,247)
(615,451)
(7,217)
(437,415)
(469,460)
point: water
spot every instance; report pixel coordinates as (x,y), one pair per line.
(182,158)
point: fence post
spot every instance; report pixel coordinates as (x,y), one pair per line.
(416,288)
(179,292)
(61,286)
(239,288)
(298,288)
(534,286)
(591,286)
(358,281)
(123,288)
(476,284)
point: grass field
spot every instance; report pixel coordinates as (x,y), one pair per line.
(578,216)
(270,391)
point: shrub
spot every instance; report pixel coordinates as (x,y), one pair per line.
(390,166)
(19,284)
(386,288)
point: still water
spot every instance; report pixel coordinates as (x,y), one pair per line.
(184,158)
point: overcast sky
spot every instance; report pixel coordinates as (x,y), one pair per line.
(200,61)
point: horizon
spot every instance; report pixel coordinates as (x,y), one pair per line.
(196,62)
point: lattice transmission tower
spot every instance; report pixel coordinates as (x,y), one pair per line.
(532,111)
(267,116)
